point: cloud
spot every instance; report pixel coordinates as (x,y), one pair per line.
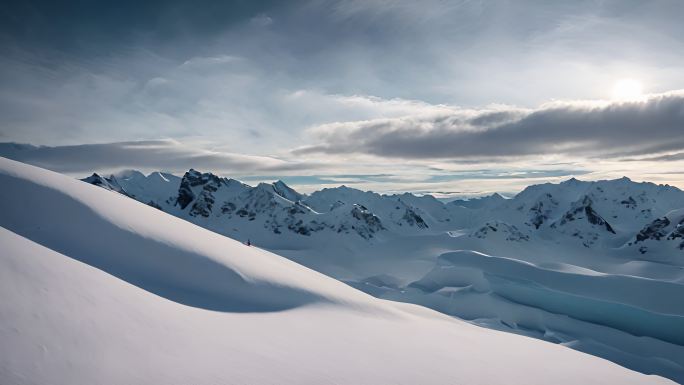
(261,20)
(165,155)
(251,74)
(660,158)
(604,129)
(251,77)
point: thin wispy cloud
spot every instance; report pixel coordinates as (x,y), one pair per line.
(150,155)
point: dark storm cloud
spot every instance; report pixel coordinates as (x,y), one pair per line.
(164,155)
(603,129)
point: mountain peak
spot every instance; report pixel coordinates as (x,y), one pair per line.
(286,191)
(129,174)
(572,181)
(110,183)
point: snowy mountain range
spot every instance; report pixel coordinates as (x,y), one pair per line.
(98,288)
(274,210)
(610,214)
(597,266)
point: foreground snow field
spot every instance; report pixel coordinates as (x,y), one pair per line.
(98,288)
(597,266)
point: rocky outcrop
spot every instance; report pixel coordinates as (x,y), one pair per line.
(541,210)
(661,229)
(412,219)
(500,229)
(655,230)
(367,223)
(277,207)
(583,209)
(629,203)
(186,195)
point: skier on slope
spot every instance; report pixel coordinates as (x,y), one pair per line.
(249,243)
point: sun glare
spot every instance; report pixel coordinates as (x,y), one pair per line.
(627,89)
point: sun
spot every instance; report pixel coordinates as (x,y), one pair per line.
(627,89)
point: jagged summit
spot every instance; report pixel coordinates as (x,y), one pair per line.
(583,222)
(226,205)
(130,174)
(572,181)
(485,201)
(591,213)
(111,183)
(286,191)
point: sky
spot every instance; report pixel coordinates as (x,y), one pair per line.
(452,98)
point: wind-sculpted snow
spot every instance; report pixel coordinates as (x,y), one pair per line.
(65,320)
(636,305)
(648,312)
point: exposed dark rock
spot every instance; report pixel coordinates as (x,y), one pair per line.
(413,219)
(655,230)
(585,207)
(511,232)
(540,211)
(369,223)
(228,208)
(193,178)
(107,183)
(595,219)
(676,233)
(629,203)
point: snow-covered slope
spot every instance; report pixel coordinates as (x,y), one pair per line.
(98,288)
(600,310)
(389,245)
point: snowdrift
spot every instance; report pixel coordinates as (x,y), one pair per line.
(636,305)
(98,288)
(633,320)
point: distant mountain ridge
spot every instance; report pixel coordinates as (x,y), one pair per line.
(606,213)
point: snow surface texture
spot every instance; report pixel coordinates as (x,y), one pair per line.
(98,288)
(623,242)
